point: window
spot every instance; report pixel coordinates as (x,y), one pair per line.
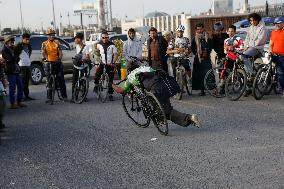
(36,42)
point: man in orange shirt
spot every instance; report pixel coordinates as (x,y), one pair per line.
(52,54)
(277,50)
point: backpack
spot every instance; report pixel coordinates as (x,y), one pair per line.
(77,59)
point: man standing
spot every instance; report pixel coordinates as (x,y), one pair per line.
(132,47)
(157,49)
(201,48)
(23,51)
(277,50)
(52,53)
(218,39)
(108,53)
(83,55)
(13,73)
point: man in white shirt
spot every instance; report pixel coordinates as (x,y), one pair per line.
(132,47)
(108,56)
(23,52)
(82,56)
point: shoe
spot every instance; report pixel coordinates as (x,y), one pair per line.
(202,93)
(96,89)
(72,101)
(48,101)
(110,98)
(22,105)
(195,121)
(65,99)
(247,92)
(14,106)
(28,98)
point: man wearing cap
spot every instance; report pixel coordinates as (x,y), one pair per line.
(23,52)
(13,73)
(277,50)
(52,54)
(83,56)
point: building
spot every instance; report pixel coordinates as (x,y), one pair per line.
(222,7)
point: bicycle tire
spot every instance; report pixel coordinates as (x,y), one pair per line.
(82,85)
(235,84)
(179,79)
(158,115)
(52,88)
(188,85)
(262,84)
(135,108)
(103,88)
(212,82)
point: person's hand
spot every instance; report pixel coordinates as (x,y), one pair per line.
(44,60)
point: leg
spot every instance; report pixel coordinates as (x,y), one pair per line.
(280,71)
(62,82)
(20,91)
(24,79)
(250,52)
(110,72)
(12,88)
(98,74)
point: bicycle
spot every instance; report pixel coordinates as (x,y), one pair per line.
(81,87)
(103,86)
(136,63)
(265,80)
(142,106)
(214,80)
(53,83)
(182,78)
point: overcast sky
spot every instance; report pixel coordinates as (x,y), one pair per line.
(36,12)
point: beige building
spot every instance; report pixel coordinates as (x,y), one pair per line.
(160,20)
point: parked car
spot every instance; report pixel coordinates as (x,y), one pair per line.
(37,72)
(70,40)
(96,37)
(122,37)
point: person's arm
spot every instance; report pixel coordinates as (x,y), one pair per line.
(140,51)
(247,39)
(125,50)
(271,44)
(43,50)
(115,55)
(261,39)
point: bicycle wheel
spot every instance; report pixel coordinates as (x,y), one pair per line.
(235,84)
(52,88)
(103,87)
(179,79)
(57,88)
(81,90)
(134,109)
(262,83)
(157,113)
(188,84)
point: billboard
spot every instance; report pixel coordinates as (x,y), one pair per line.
(85,6)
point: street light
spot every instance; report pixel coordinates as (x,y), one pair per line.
(22,23)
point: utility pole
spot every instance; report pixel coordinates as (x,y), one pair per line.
(68,20)
(54,23)
(22,23)
(110,15)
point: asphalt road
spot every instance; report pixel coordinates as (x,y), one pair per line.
(95,145)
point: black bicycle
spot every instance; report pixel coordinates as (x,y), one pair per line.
(183,79)
(265,80)
(81,87)
(142,106)
(53,85)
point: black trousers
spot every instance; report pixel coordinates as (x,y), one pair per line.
(110,71)
(25,74)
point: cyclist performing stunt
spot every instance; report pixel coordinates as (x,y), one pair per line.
(162,87)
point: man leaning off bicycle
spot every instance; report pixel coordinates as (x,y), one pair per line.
(180,47)
(52,54)
(148,78)
(108,53)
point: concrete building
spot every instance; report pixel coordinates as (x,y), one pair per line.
(160,20)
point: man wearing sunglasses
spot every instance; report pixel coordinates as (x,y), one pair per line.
(23,52)
(52,54)
(108,56)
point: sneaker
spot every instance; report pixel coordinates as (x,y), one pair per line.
(28,98)
(195,120)
(48,101)
(22,105)
(110,98)
(14,106)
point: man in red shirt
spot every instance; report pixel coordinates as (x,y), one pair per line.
(277,50)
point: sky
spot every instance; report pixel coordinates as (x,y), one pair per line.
(39,12)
